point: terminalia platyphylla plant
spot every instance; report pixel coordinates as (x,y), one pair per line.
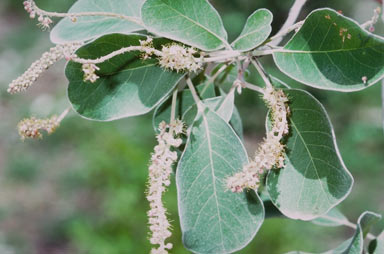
(173,57)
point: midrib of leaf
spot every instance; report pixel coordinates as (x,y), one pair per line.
(336,220)
(310,156)
(324,51)
(206,126)
(198,24)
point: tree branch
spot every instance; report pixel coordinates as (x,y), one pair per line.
(292,17)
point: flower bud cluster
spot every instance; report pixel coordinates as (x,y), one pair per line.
(32,127)
(179,58)
(160,171)
(147,48)
(375,18)
(44,21)
(55,54)
(90,72)
(270,153)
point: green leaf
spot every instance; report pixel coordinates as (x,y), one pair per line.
(333,218)
(376,246)
(226,105)
(355,245)
(213,219)
(256,31)
(90,27)
(193,22)
(222,106)
(183,103)
(315,178)
(127,86)
(332,52)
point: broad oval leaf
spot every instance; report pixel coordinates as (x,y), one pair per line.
(333,218)
(213,219)
(332,52)
(354,245)
(315,178)
(89,27)
(256,31)
(127,86)
(193,22)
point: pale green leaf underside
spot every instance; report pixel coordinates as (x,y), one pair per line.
(228,112)
(355,244)
(315,178)
(86,28)
(333,52)
(193,22)
(333,218)
(127,86)
(213,104)
(256,31)
(213,219)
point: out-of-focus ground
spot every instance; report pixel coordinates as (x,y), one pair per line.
(81,190)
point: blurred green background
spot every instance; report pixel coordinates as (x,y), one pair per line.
(81,190)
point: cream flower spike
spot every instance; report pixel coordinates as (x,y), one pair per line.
(50,57)
(160,171)
(270,153)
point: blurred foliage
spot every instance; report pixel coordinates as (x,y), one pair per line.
(81,190)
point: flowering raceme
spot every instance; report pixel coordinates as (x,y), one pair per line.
(270,153)
(160,171)
(32,127)
(55,54)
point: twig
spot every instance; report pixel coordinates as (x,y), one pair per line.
(173,106)
(370,23)
(277,38)
(84,14)
(116,53)
(194,93)
(213,77)
(225,56)
(262,73)
(63,115)
(292,17)
(254,87)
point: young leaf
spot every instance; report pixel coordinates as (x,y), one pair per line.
(184,102)
(333,218)
(315,178)
(89,27)
(333,52)
(220,105)
(226,105)
(193,22)
(127,86)
(355,245)
(213,219)
(256,30)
